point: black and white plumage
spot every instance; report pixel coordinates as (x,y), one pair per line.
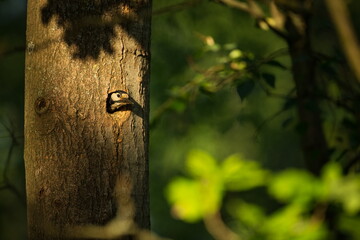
(117,100)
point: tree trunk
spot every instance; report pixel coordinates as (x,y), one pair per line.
(313,143)
(77,153)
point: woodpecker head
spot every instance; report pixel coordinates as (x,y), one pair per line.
(116,100)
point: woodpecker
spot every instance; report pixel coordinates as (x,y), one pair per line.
(117,100)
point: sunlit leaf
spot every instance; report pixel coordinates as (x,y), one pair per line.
(245,88)
(289,223)
(209,41)
(352,201)
(347,192)
(239,174)
(208,88)
(238,65)
(213,48)
(295,186)
(263,25)
(201,164)
(236,53)
(331,173)
(271,21)
(280,224)
(250,214)
(185,197)
(192,200)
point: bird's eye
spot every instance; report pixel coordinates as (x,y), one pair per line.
(118,95)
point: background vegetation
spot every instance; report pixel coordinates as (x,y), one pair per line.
(225,136)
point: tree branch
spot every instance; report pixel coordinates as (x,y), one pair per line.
(255,11)
(218,229)
(341,19)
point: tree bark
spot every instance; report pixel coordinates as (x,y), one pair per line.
(76,153)
(313,143)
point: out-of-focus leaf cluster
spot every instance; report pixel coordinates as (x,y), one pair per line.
(193,198)
(304,199)
(219,66)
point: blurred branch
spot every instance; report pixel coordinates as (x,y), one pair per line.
(255,11)
(218,229)
(341,18)
(235,4)
(176,7)
(121,225)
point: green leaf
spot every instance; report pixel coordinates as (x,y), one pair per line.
(276,64)
(345,190)
(286,217)
(239,174)
(238,65)
(250,214)
(331,173)
(245,88)
(185,197)
(289,223)
(269,79)
(350,196)
(236,53)
(295,186)
(208,88)
(213,48)
(192,200)
(201,164)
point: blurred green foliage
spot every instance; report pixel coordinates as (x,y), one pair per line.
(304,198)
(196,198)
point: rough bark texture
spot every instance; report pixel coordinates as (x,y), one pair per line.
(75,152)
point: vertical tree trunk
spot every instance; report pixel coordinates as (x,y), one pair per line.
(75,151)
(313,141)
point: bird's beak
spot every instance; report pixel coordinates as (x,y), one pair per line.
(125,101)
